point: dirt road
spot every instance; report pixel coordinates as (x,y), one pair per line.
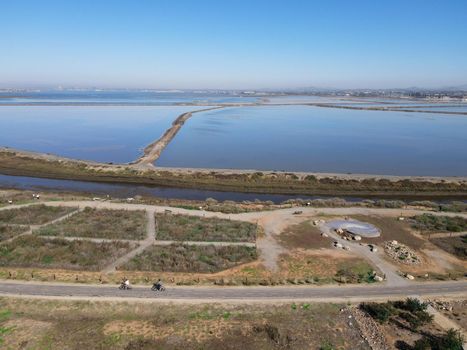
(235,294)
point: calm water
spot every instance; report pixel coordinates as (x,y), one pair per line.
(105,134)
(119,97)
(131,190)
(302,138)
(127,190)
(449,108)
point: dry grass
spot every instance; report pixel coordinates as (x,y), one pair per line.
(32,251)
(454,245)
(303,235)
(100,223)
(121,326)
(7,231)
(193,228)
(33,215)
(190,258)
(323,267)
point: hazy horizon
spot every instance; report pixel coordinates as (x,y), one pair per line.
(211,45)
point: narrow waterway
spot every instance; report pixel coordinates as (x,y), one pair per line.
(129,190)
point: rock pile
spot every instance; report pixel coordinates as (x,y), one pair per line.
(401,253)
(370,330)
(442,305)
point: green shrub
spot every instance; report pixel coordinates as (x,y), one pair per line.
(451,340)
(379,311)
(435,223)
(411,305)
(327,346)
(194,228)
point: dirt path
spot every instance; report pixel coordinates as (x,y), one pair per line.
(156,242)
(273,223)
(446,323)
(153,151)
(214,294)
(393,278)
(151,236)
(446,234)
(32,228)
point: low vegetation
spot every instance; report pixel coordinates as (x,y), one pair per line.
(100,223)
(303,267)
(450,340)
(411,311)
(33,251)
(8,231)
(190,258)
(193,228)
(52,324)
(454,206)
(33,215)
(355,272)
(17,163)
(454,245)
(427,223)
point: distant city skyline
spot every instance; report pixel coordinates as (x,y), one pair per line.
(209,44)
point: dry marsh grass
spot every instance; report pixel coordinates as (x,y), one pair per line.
(100,223)
(7,231)
(33,215)
(193,228)
(32,251)
(190,258)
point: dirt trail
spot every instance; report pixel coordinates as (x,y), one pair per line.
(32,228)
(153,151)
(273,223)
(393,278)
(446,234)
(268,245)
(150,238)
(156,242)
(224,294)
(445,322)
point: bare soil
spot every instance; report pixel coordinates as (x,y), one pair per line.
(122,326)
(391,229)
(304,236)
(453,245)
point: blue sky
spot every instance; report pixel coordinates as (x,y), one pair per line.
(233,44)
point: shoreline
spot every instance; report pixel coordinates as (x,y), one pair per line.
(388,108)
(39,165)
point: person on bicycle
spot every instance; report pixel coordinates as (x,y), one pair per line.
(125,283)
(158,285)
